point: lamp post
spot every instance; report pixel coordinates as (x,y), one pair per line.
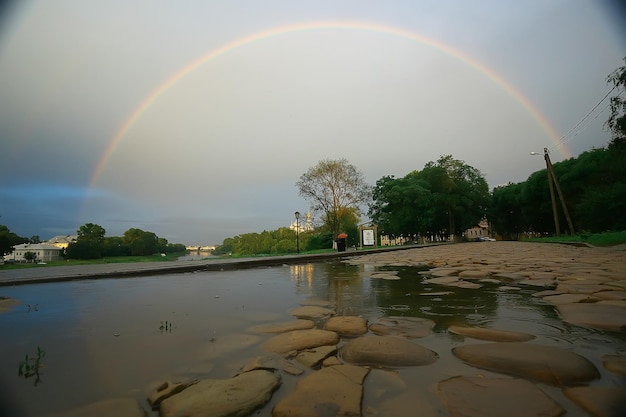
(554,183)
(297,214)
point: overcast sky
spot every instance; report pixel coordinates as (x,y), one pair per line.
(212,150)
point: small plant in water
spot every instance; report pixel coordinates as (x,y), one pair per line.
(166,326)
(29,367)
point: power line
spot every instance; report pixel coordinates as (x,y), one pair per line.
(573,129)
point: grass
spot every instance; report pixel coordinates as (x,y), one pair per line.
(595,239)
(108,260)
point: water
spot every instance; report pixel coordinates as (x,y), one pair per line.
(108,338)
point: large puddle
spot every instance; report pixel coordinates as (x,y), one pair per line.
(114,338)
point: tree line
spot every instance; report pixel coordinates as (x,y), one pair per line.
(91,243)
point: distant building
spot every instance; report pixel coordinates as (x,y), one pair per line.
(303,225)
(62,241)
(480,230)
(43,252)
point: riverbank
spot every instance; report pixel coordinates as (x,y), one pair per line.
(112,270)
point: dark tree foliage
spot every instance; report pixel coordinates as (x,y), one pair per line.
(617,120)
(444,198)
(140,242)
(594,188)
(89,243)
(8,239)
(335,189)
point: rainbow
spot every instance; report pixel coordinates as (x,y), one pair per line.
(282,30)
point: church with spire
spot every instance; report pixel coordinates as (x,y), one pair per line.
(305,225)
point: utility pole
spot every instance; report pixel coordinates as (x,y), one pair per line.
(552,177)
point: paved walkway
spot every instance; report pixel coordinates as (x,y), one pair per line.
(93,271)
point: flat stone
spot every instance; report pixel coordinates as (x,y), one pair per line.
(238,396)
(285,326)
(547,364)
(6,304)
(312,312)
(568,299)
(490,334)
(300,339)
(260,362)
(509,276)
(615,363)
(610,295)
(386,351)
(313,357)
(332,391)
(166,390)
(410,327)
(495,397)
(473,274)
(599,401)
(347,325)
(600,316)
(543,283)
(442,280)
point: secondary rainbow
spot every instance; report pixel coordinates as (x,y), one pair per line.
(283,30)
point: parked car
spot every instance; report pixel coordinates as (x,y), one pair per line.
(485,239)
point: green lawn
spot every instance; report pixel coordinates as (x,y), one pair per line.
(596,239)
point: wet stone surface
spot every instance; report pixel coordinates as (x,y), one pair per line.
(484,329)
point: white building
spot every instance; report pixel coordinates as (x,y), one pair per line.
(43,252)
(303,225)
(61,241)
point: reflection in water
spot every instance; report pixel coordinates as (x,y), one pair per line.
(115,338)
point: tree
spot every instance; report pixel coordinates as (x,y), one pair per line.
(30,256)
(91,232)
(89,243)
(336,189)
(8,239)
(141,242)
(617,119)
(445,198)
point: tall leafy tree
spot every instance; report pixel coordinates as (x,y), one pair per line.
(8,239)
(141,242)
(89,243)
(617,119)
(336,189)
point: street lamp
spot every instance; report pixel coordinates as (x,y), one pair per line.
(553,182)
(297,214)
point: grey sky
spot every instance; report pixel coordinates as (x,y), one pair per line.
(219,152)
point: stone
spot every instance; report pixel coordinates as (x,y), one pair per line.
(600,316)
(494,397)
(567,299)
(547,364)
(6,304)
(313,357)
(615,364)
(410,327)
(300,339)
(285,326)
(166,390)
(234,397)
(311,312)
(332,391)
(386,351)
(347,325)
(490,334)
(127,407)
(599,401)
(260,362)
